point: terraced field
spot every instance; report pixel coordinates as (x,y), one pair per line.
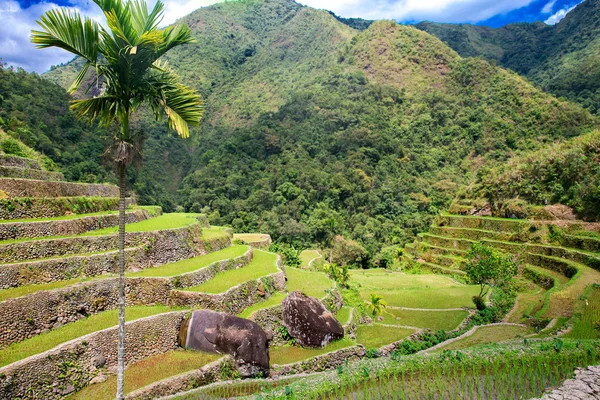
(58,291)
(560,262)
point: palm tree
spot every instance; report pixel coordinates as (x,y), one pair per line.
(125,59)
(376,305)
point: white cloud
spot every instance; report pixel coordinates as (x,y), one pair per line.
(559,15)
(417,10)
(548,7)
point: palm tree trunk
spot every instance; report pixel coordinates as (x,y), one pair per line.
(121,344)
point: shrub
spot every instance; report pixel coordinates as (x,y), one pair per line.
(348,252)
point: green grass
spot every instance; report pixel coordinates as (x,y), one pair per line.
(586,327)
(488,334)
(214,232)
(274,300)
(165,221)
(435,320)
(414,291)
(251,237)
(262,264)
(290,354)
(427,298)
(384,279)
(548,272)
(19,291)
(307,256)
(343,315)
(308,282)
(148,371)
(375,336)
(192,264)
(94,323)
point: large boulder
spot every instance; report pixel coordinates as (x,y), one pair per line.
(222,333)
(309,322)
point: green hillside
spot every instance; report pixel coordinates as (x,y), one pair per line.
(309,119)
(562,59)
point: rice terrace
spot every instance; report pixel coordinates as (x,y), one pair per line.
(258,199)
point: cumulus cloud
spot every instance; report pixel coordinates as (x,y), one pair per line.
(559,15)
(471,11)
(547,9)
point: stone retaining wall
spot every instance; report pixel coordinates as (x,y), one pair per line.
(27,316)
(13,187)
(585,385)
(27,173)
(321,363)
(153,249)
(351,326)
(15,161)
(270,319)
(236,299)
(22,230)
(70,366)
(50,207)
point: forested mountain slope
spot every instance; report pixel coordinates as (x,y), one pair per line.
(313,127)
(563,59)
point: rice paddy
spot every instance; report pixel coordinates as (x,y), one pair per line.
(375,336)
(488,334)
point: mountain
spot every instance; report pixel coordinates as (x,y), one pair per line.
(563,59)
(310,121)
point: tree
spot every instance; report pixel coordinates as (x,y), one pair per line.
(125,59)
(487,268)
(376,305)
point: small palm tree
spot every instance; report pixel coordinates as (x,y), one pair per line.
(376,305)
(125,59)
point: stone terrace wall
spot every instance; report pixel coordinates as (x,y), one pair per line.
(27,173)
(320,363)
(270,319)
(235,299)
(34,188)
(585,385)
(21,230)
(14,161)
(72,365)
(27,316)
(50,207)
(238,297)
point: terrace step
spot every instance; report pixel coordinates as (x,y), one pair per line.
(28,173)
(13,187)
(474,234)
(440,250)
(590,259)
(147,251)
(21,229)
(21,162)
(439,269)
(483,223)
(52,207)
(26,313)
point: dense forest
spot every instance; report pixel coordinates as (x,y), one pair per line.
(562,59)
(312,128)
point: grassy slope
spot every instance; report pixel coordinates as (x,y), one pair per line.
(55,337)
(375,336)
(148,371)
(192,264)
(417,291)
(291,354)
(488,334)
(263,264)
(310,283)
(435,320)
(587,326)
(307,256)
(165,221)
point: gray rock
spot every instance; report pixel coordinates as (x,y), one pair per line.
(220,333)
(98,379)
(309,322)
(99,361)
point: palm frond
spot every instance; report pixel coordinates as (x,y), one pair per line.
(173,36)
(104,108)
(182,105)
(67,29)
(142,20)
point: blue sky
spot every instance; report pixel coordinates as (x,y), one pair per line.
(18,18)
